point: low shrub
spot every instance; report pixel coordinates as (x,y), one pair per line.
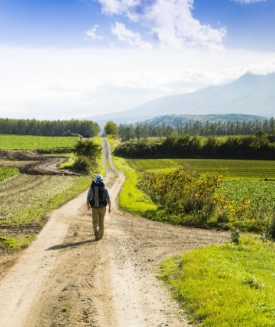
(82,165)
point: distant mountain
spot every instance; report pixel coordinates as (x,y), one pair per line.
(174,120)
(250,95)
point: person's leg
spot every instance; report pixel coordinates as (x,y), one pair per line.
(102,212)
(95,216)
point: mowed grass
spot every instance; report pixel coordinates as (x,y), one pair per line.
(225,285)
(29,142)
(233,169)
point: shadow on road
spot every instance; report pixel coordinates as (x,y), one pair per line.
(68,245)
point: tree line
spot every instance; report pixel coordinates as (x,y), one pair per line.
(218,128)
(258,146)
(86,128)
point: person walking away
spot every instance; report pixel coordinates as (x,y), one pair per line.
(97,199)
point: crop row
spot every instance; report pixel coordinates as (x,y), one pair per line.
(257,193)
(6,173)
(152,164)
(43,189)
(233,169)
(21,142)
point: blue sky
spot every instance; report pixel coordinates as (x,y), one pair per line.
(78,58)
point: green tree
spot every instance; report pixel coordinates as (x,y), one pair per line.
(111,128)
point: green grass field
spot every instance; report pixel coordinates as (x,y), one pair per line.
(233,169)
(28,142)
(225,285)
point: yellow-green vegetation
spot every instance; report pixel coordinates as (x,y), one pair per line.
(114,141)
(131,198)
(28,142)
(16,242)
(225,285)
(235,169)
(6,173)
(190,199)
(69,163)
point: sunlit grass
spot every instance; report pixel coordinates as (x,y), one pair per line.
(225,285)
(69,163)
(131,198)
(30,142)
(6,173)
(15,242)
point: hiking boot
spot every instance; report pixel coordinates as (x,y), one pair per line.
(97,236)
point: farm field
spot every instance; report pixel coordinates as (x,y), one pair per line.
(31,192)
(233,169)
(27,198)
(23,142)
(257,192)
(133,247)
(249,189)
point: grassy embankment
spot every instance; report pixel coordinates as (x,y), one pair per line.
(31,205)
(225,285)
(222,285)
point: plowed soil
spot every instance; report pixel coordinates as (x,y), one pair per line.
(66,278)
(31,162)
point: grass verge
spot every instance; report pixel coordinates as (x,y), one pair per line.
(131,199)
(225,285)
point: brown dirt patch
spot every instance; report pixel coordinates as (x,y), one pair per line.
(20,155)
(33,163)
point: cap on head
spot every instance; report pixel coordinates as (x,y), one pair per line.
(99,178)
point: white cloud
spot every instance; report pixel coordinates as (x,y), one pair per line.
(124,34)
(92,33)
(248,1)
(72,83)
(170,21)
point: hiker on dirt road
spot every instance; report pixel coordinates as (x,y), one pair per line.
(97,198)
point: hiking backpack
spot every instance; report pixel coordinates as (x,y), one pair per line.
(99,196)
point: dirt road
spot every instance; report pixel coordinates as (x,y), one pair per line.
(65,278)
